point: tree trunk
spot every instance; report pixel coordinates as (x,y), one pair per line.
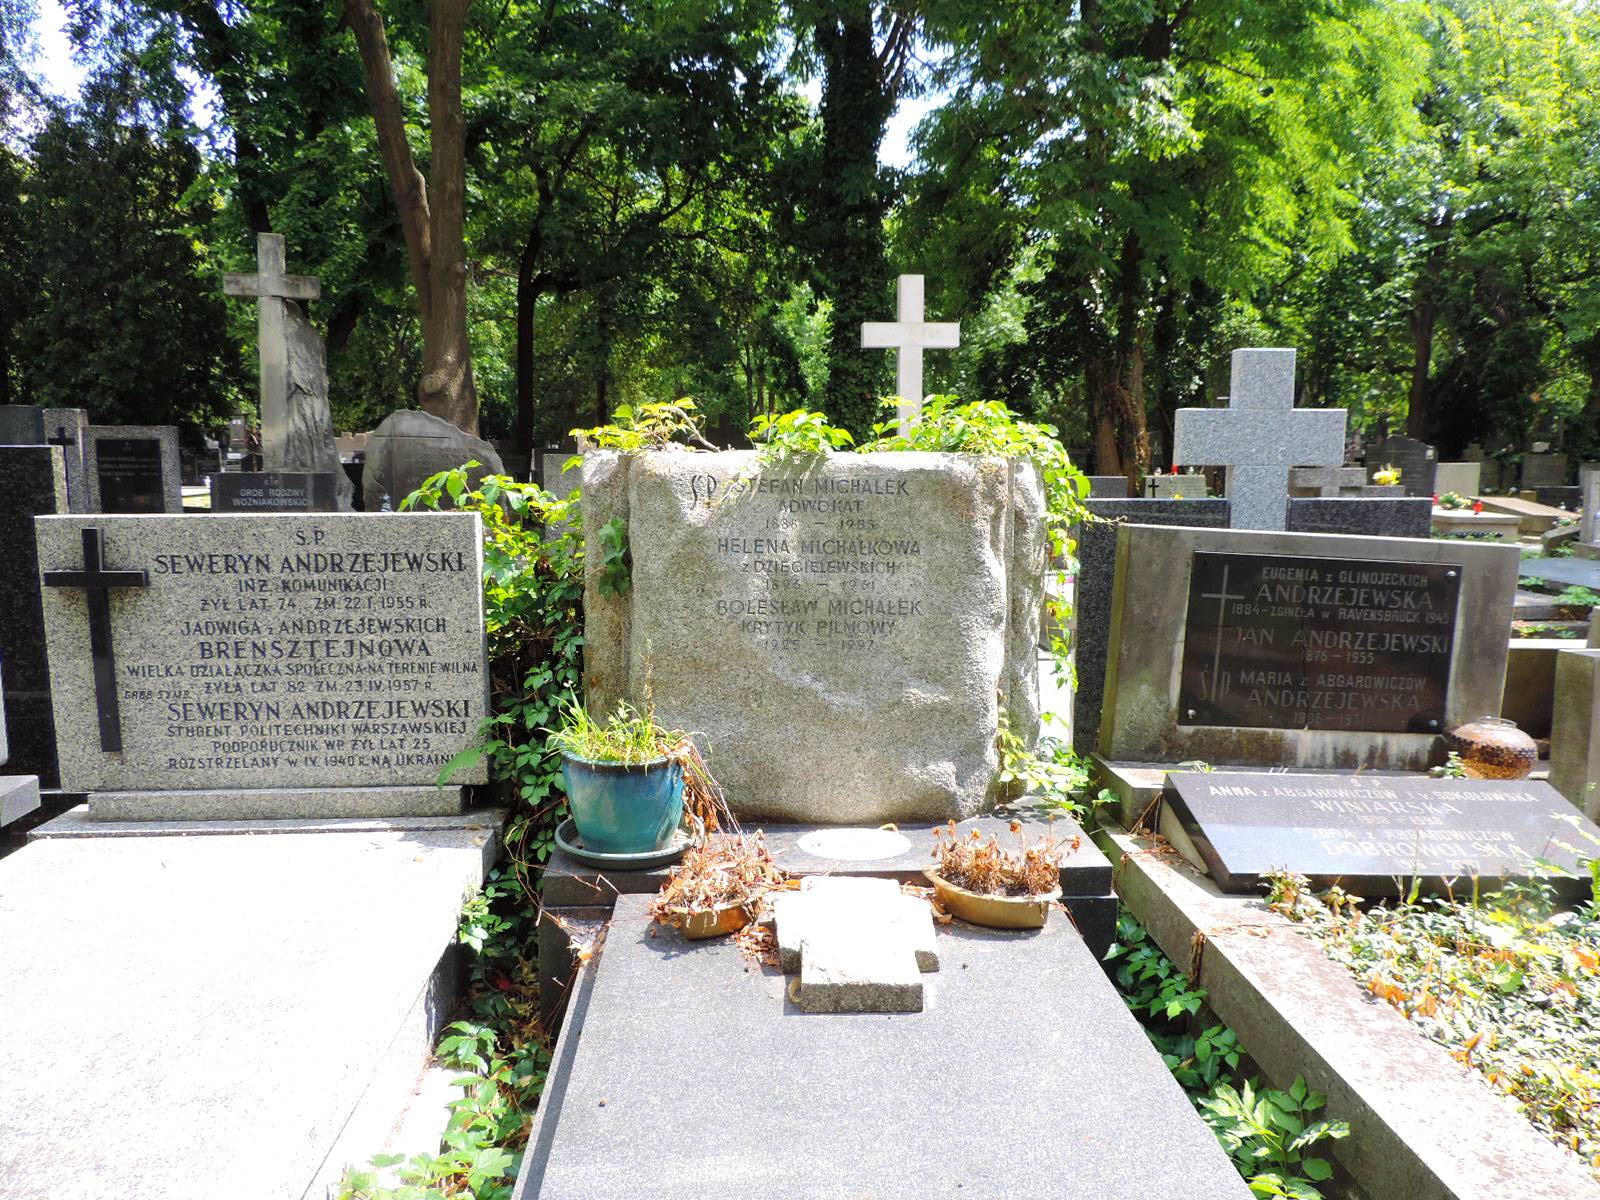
(1422,318)
(432,218)
(528,291)
(1123,380)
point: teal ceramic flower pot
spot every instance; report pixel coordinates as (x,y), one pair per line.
(624,809)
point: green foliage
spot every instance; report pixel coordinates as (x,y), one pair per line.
(651,426)
(533,602)
(799,435)
(616,567)
(626,736)
(1578,596)
(1267,1133)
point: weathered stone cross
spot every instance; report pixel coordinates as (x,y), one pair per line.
(1258,437)
(909,335)
(97,583)
(859,945)
(274,290)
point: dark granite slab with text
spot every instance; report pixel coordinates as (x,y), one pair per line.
(1372,835)
(33,482)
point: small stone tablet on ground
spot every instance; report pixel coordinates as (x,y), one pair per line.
(1372,835)
(858,945)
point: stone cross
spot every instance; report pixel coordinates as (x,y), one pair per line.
(1259,436)
(275,290)
(97,583)
(909,335)
(859,945)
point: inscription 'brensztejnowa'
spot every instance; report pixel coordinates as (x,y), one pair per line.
(841,634)
(269,651)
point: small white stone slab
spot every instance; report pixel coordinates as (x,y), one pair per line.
(854,845)
(859,945)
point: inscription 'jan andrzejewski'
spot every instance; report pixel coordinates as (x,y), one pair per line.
(827,564)
(316,660)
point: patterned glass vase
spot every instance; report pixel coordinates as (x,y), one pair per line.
(1494,748)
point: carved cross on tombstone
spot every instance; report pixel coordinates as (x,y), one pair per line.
(97,582)
(275,291)
(62,438)
(859,945)
(909,335)
(1258,437)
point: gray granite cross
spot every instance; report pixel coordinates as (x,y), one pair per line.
(97,582)
(908,337)
(1259,436)
(275,290)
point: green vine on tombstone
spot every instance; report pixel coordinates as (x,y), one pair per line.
(615,575)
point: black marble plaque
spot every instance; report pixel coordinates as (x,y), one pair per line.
(1374,834)
(1418,462)
(130,475)
(273,491)
(1283,642)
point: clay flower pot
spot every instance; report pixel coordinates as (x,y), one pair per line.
(710,923)
(993,912)
(1494,748)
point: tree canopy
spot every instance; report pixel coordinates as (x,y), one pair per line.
(525,214)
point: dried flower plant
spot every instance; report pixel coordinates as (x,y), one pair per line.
(729,869)
(985,867)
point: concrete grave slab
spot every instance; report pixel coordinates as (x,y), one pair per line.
(228,1006)
(1149,660)
(1485,526)
(1533,519)
(1580,571)
(622,1118)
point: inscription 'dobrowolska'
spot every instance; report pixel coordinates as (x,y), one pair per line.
(1283,642)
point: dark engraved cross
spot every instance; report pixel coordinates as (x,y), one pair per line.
(97,583)
(62,439)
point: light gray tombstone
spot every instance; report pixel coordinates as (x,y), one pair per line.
(296,425)
(1589,519)
(264,666)
(69,429)
(1259,437)
(1462,478)
(1544,470)
(1301,649)
(845,636)
(1327,482)
(1190,485)
(133,468)
(858,945)
(19,794)
(908,336)
(1574,746)
(409,446)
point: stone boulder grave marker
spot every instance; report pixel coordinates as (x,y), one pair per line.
(843,636)
(264,665)
(409,446)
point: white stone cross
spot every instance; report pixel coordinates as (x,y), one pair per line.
(1259,436)
(909,335)
(859,945)
(274,290)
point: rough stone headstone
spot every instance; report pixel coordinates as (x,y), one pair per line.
(1362,516)
(274,491)
(1301,649)
(843,635)
(1544,470)
(1091,609)
(1259,437)
(1372,835)
(908,336)
(264,665)
(33,481)
(858,945)
(1575,717)
(1417,461)
(296,424)
(411,445)
(21,425)
(1108,487)
(133,469)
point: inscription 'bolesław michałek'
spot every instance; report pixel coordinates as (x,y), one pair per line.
(1314,643)
(263,651)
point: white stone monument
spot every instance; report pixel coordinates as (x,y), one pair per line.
(1259,437)
(909,335)
(296,425)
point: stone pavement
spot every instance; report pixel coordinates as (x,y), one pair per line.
(195,1017)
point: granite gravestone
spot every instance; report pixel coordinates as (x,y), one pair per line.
(408,447)
(312,665)
(133,469)
(19,794)
(1417,462)
(1108,487)
(1377,516)
(1372,835)
(1326,482)
(1366,622)
(33,481)
(64,427)
(843,636)
(21,425)
(274,491)
(1259,437)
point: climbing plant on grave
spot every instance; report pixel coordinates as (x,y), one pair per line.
(533,619)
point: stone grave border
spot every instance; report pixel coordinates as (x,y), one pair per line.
(1420,1126)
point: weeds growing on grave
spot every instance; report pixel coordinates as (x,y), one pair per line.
(1273,1137)
(984,866)
(1509,984)
(732,871)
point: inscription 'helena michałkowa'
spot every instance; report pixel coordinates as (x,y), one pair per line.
(1297,643)
(284,664)
(824,564)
